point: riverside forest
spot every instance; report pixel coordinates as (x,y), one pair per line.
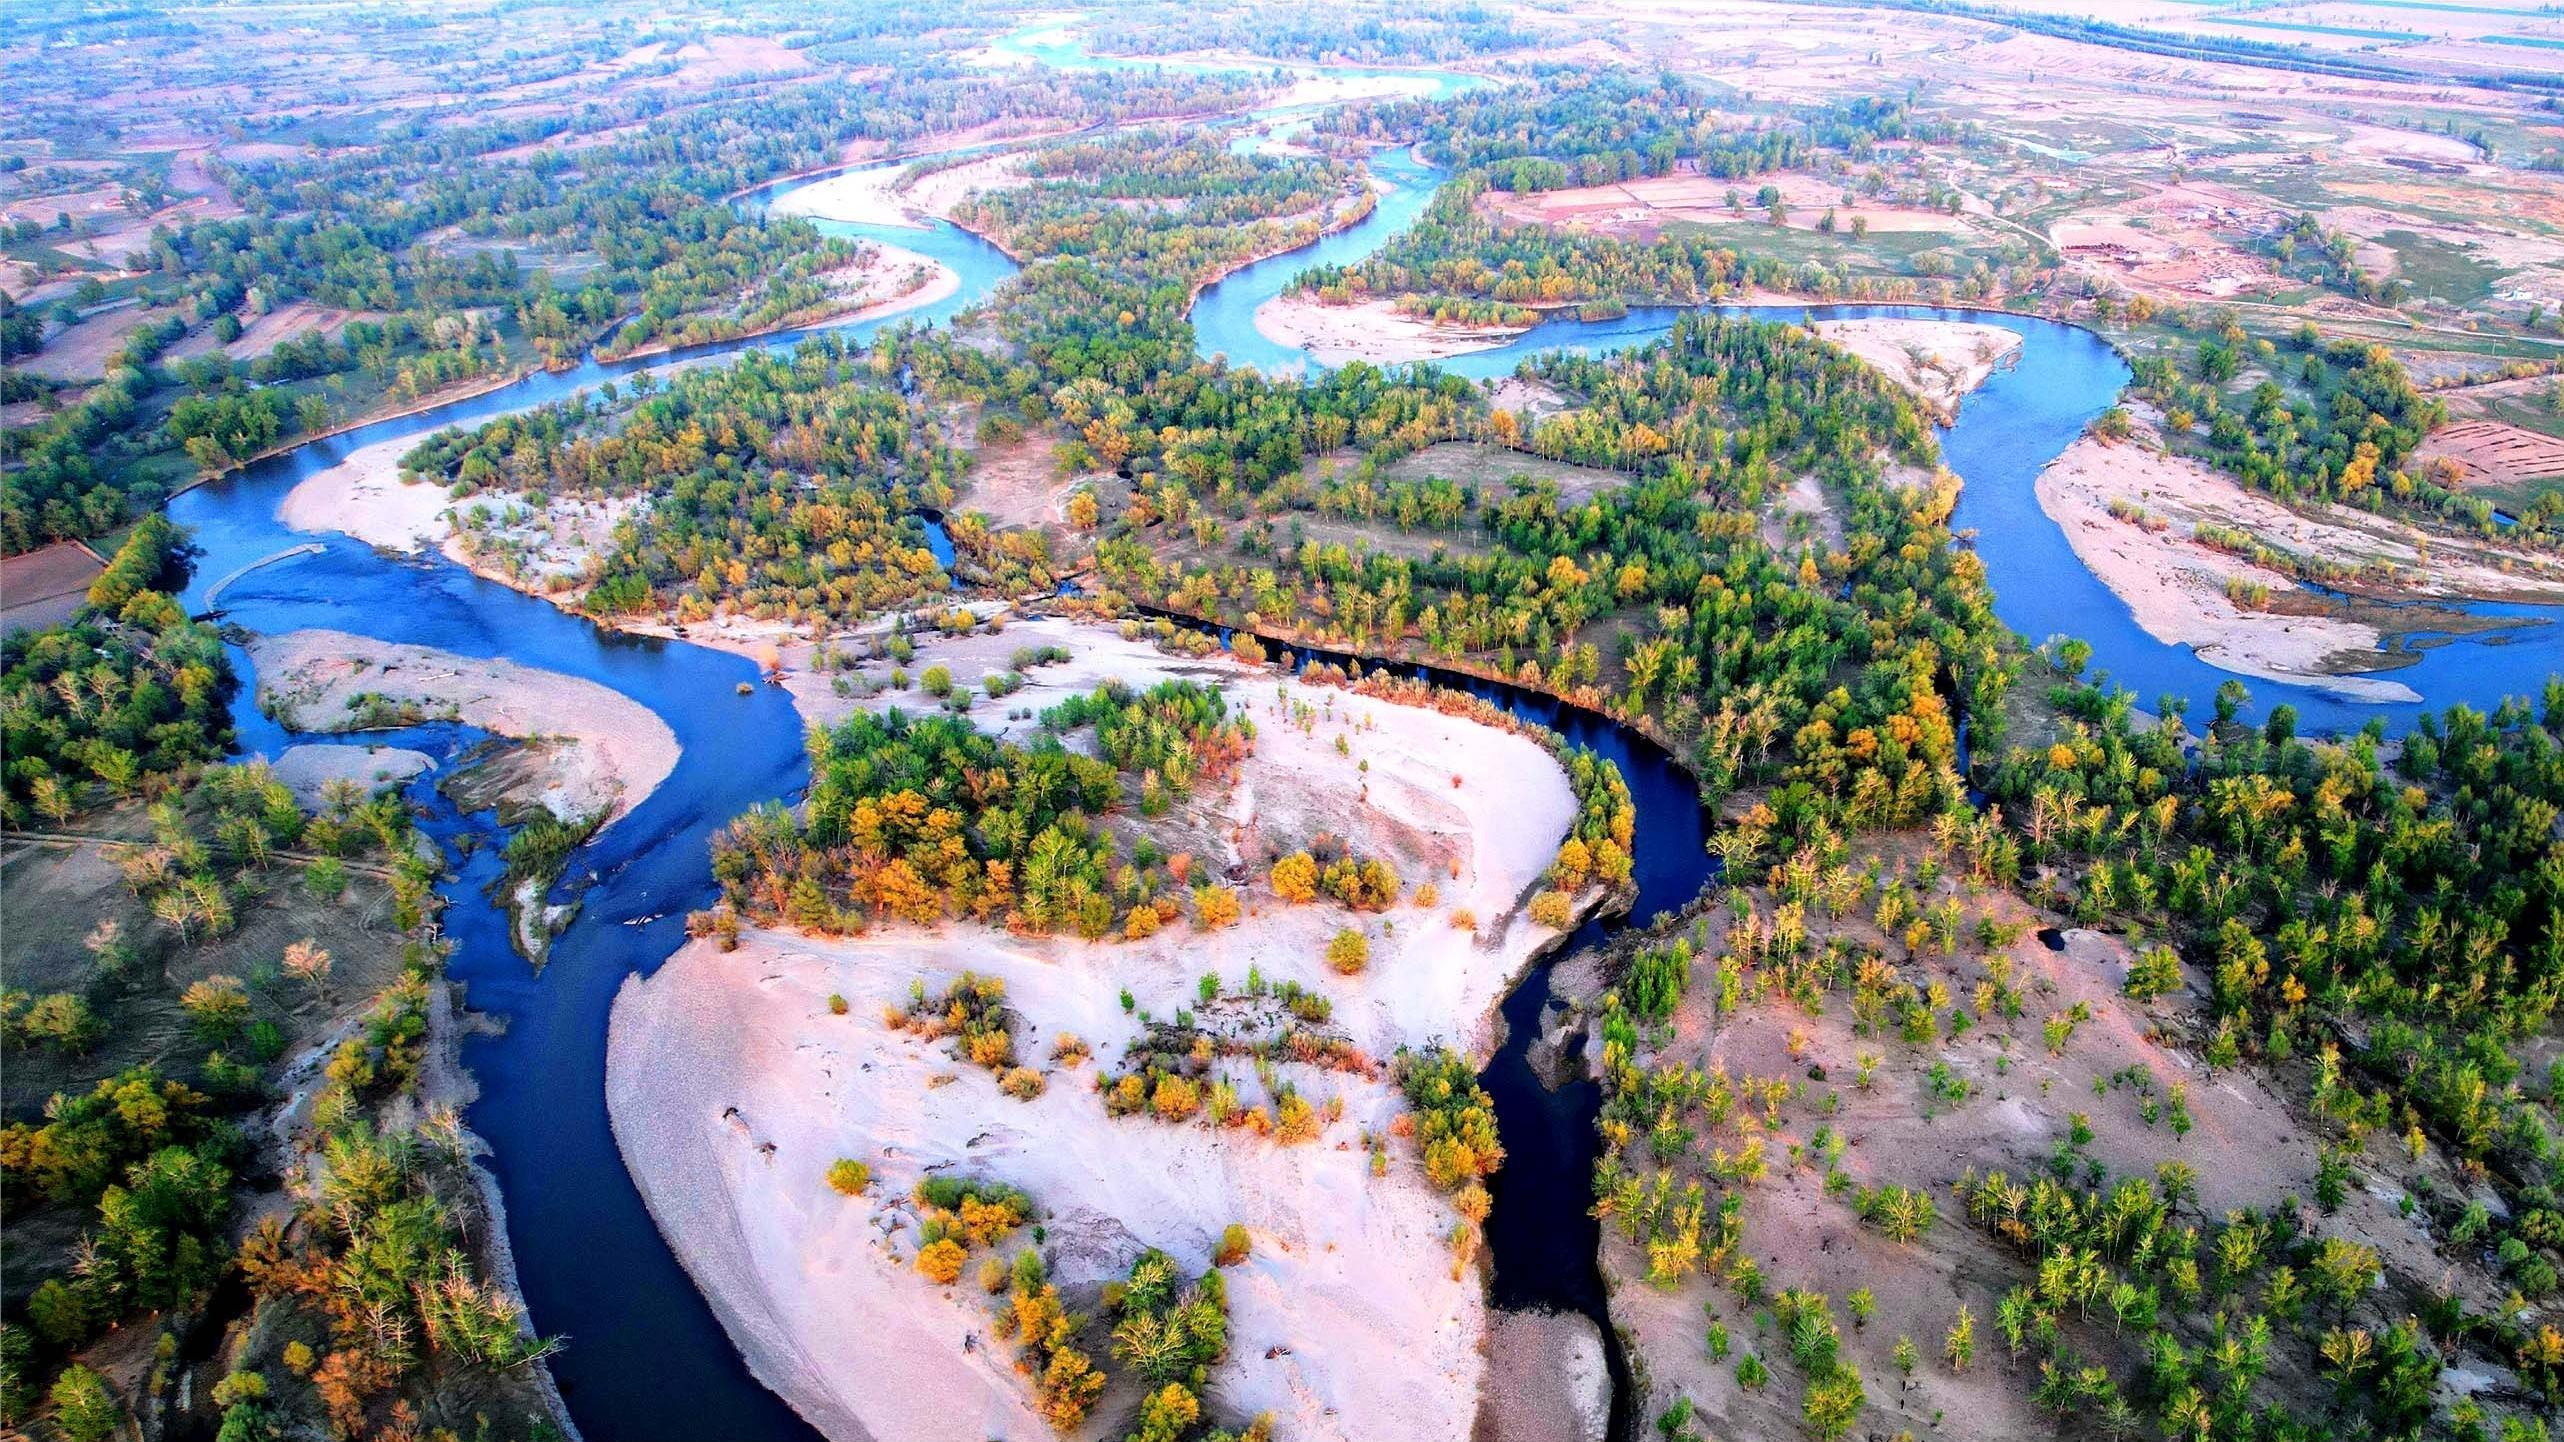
(1511,720)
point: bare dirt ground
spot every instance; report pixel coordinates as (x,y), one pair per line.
(81,353)
(1799,514)
(732,1087)
(264,333)
(1496,469)
(1528,400)
(2492,453)
(57,894)
(1019,483)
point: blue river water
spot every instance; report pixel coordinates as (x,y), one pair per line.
(646,1358)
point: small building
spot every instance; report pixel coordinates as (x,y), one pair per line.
(45,587)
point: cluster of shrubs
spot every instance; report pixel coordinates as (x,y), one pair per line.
(973,1012)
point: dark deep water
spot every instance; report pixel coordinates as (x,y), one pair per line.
(646,1358)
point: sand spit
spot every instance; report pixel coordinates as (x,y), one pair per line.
(2176,586)
(604,750)
(883,281)
(364,496)
(732,1086)
(1374,331)
(1940,361)
(894,278)
(495,534)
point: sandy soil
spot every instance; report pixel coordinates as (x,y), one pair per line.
(1805,497)
(884,280)
(2494,453)
(891,279)
(2423,564)
(1373,331)
(1940,361)
(732,1087)
(2247,1144)
(494,533)
(2177,587)
(1326,90)
(607,752)
(364,496)
(1019,484)
(1529,400)
(875,196)
(308,770)
(546,552)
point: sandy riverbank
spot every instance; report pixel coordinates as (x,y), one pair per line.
(732,1086)
(494,534)
(363,496)
(2176,586)
(1374,331)
(894,278)
(1940,361)
(602,750)
(876,195)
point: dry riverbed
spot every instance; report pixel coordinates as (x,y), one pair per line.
(733,1085)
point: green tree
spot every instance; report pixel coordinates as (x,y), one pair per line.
(84,1410)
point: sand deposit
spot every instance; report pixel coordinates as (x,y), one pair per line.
(602,750)
(732,1087)
(1940,361)
(364,496)
(1374,331)
(891,195)
(2176,587)
(308,770)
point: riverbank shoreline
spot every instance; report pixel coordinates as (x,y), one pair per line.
(2137,517)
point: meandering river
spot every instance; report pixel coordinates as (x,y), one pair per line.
(646,1358)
